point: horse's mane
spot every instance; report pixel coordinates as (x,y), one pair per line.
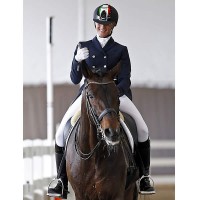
(100,72)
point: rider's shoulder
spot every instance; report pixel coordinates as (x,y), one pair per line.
(85,43)
(120,45)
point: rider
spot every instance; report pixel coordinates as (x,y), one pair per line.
(102,52)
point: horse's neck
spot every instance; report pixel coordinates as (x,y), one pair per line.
(87,132)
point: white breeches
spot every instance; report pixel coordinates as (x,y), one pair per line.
(76,106)
(126,105)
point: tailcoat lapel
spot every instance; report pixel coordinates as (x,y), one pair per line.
(97,45)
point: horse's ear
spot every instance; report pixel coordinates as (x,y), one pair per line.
(87,73)
(115,70)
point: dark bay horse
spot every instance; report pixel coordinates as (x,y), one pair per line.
(96,161)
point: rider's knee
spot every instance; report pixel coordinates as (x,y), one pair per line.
(59,139)
(143,134)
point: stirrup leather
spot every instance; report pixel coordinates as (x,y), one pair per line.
(58,180)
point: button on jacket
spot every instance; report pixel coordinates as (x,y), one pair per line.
(105,58)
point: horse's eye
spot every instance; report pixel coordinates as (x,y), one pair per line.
(90,96)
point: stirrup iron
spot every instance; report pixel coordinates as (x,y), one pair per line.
(144,176)
(58,180)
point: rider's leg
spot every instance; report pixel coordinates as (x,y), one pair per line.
(145,186)
(59,152)
(61,189)
(127,106)
(70,112)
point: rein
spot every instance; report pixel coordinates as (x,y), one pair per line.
(96,119)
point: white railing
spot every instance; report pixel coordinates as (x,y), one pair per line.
(39,167)
(163,162)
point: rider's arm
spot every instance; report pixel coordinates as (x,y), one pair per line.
(76,72)
(124,81)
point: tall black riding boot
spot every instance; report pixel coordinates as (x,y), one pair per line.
(61,189)
(145,186)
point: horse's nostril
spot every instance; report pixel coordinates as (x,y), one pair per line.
(111,134)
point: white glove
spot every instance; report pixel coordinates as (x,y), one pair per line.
(82,54)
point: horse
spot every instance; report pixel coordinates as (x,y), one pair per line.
(96,159)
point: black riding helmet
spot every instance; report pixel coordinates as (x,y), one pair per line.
(105,14)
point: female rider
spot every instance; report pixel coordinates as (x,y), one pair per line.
(103,53)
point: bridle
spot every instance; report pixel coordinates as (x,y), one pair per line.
(96,120)
(91,111)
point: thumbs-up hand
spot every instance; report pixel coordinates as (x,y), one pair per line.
(81,54)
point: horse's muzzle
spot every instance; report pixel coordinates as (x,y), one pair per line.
(112,137)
